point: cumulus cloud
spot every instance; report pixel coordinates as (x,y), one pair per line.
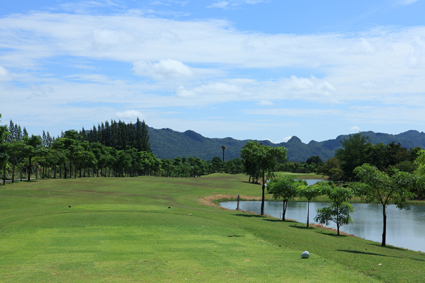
(130,114)
(4,75)
(355,129)
(287,139)
(164,69)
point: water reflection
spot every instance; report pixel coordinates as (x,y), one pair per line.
(405,228)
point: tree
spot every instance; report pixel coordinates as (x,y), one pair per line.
(285,188)
(3,150)
(33,143)
(354,152)
(420,162)
(310,193)
(217,164)
(18,149)
(339,211)
(378,186)
(265,158)
(332,169)
(314,159)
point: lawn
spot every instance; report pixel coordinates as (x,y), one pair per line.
(150,229)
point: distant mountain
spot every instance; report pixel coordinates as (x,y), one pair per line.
(166,143)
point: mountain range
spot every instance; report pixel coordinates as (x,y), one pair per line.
(166,143)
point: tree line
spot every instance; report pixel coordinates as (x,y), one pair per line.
(110,149)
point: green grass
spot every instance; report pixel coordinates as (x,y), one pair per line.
(122,230)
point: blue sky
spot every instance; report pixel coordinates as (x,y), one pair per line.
(247,69)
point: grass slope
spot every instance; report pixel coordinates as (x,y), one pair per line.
(122,230)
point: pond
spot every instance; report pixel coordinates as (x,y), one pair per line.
(405,228)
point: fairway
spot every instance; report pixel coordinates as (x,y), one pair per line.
(150,229)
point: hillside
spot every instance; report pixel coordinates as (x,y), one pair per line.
(167,143)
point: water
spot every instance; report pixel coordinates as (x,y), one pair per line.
(405,228)
(311,181)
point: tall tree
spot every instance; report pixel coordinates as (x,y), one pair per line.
(378,186)
(265,157)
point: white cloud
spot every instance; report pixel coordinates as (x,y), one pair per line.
(164,69)
(222,4)
(185,93)
(386,66)
(97,78)
(265,103)
(355,129)
(130,114)
(5,75)
(295,112)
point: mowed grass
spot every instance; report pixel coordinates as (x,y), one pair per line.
(122,230)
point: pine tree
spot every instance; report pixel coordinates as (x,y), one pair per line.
(145,138)
(131,135)
(49,139)
(107,134)
(11,137)
(115,134)
(18,133)
(138,137)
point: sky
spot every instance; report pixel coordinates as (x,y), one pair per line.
(246,69)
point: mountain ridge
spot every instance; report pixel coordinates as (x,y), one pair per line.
(167,143)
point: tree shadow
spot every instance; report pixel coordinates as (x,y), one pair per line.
(378,245)
(302,227)
(360,252)
(274,220)
(246,182)
(375,254)
(332,234)
(248,215)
